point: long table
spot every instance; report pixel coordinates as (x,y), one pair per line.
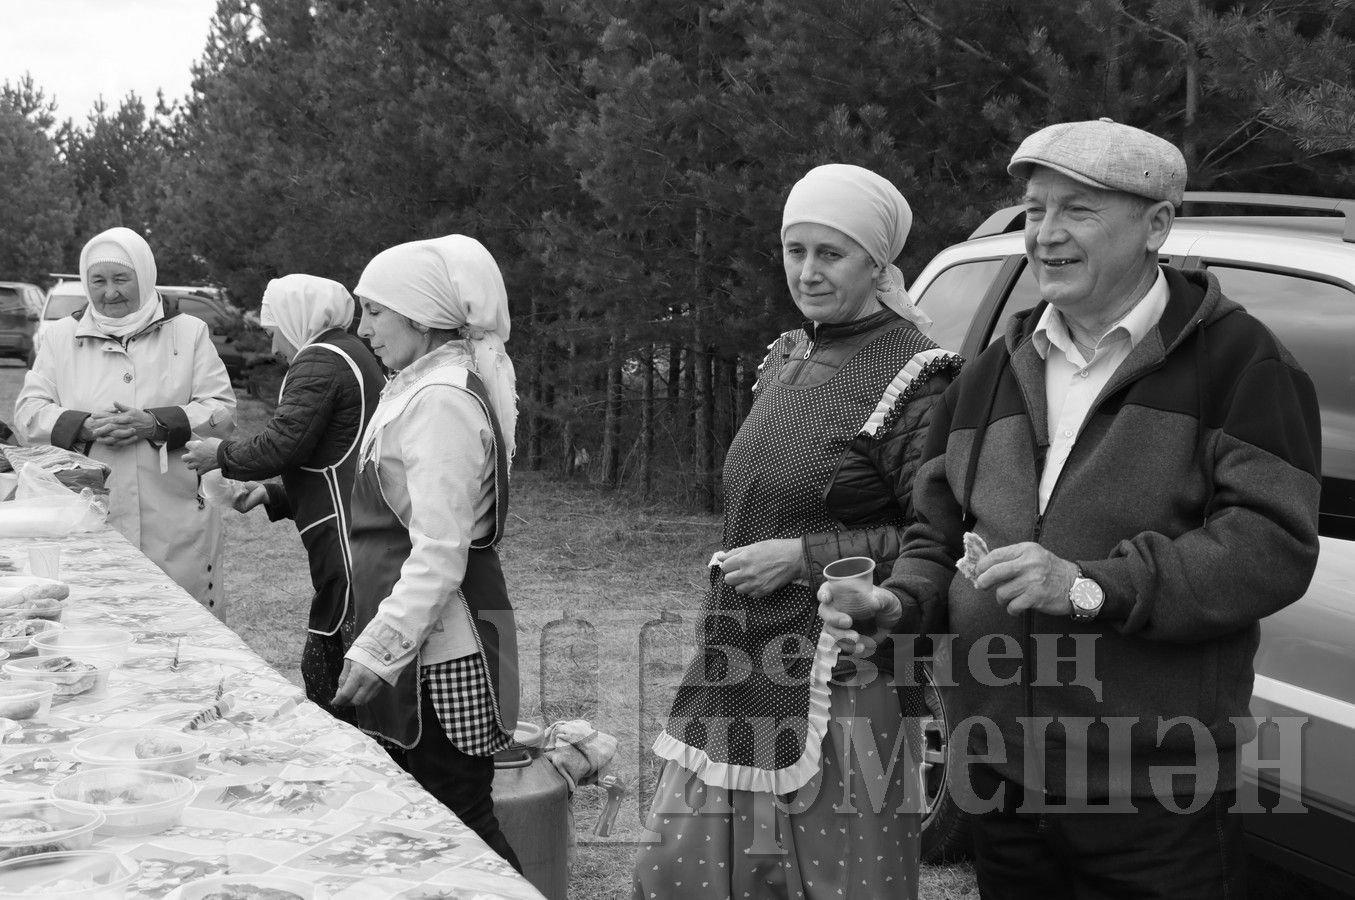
(283,787)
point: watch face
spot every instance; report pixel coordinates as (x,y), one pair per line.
(1086,595)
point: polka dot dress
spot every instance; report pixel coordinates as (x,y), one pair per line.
(757,667)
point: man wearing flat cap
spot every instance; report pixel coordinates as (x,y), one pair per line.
(1139,460)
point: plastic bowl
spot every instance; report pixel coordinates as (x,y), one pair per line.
(277,887)
(11,585)
(71,875)
(24,630)
(111,643)
(25,699)
(133,801)
(67,684)
(68,826)
(129,749)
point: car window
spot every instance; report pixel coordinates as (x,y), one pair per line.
(1316,321)
(200,309)
(953,297)
(1024,295)
(11,301)
(61,305)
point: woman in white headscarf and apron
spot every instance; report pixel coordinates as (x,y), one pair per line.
(327,397)
(128,381)
(433,669)
(785,774)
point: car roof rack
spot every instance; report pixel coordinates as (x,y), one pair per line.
(1345,208)
(63,276)
(1011,218)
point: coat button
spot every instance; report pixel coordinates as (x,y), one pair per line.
(405,644)
(127,377)
(387,657)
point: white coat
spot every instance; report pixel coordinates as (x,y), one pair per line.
(172,363)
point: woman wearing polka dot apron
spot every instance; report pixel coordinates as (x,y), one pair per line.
(433,669)
(784,773)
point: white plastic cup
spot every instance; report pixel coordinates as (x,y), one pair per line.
(44,560)
(851,581)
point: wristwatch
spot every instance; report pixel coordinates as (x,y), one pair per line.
(1086,597)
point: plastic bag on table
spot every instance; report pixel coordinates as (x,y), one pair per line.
(44,507)
(74,470)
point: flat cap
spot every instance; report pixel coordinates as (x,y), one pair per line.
(1108,155)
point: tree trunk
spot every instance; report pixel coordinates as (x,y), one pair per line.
(611,416)
(647,424)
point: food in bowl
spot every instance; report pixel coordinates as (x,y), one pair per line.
(151,747)
(73,676)
(250,892)
(107,642)
(248,887)
(72,875)
(17,634)
(25,699)
(160,749)
(29,827)
(133,801)
(28,597)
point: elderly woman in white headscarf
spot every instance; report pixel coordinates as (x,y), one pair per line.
(128,381)
(749,800)
(329,394)
(433,669)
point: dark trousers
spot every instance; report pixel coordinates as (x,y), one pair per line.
(1152,852)
(462,783)
(321,663)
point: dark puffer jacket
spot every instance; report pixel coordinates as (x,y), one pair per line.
(328,396)
(873,485)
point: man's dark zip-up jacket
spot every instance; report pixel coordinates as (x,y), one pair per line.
(1190,497)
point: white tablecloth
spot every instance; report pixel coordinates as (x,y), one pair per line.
(300,795)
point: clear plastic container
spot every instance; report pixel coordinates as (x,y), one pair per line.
(43,608)
(143,748)
(133,801)
(70,875)
(41,826)
(21,633)
(25,699)
(92,681)
(110,643)
(275,887)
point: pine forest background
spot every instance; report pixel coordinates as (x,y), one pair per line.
(626,162)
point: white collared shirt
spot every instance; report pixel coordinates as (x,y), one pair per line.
(1073,382)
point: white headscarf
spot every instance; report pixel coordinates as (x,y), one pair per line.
(125,247)
(869,210)
(303,307)
(452,282)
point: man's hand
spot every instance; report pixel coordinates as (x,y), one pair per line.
(121,426)
(357,685)
(758,569)
(201,455)
(1026,576)
(839,625)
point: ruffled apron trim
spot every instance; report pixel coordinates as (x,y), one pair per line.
(916,370)
(751,778)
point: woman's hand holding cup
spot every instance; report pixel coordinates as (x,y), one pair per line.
(853,609)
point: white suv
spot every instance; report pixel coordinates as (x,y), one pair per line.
(1296,273)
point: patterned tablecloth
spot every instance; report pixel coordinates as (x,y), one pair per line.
(300,795)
